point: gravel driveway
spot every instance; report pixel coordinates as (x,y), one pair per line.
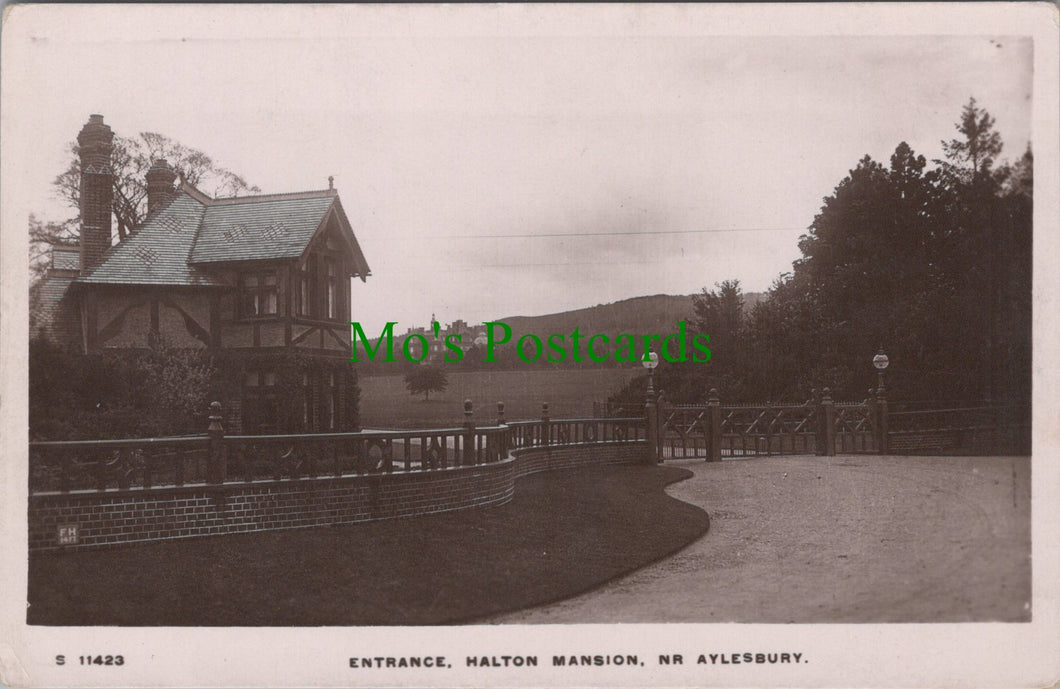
(852,538)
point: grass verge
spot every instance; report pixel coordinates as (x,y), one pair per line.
(565,532)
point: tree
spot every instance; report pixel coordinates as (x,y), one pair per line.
(426,379)
(130,161)
(972,155)
(991,255)
(931,262)
(718,313)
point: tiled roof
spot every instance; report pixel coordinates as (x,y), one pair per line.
(57,317)
(157,254)
(177,244)
(255,228)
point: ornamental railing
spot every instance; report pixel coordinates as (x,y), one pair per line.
(100,465)
(571,431)
(819,426)
(94,466)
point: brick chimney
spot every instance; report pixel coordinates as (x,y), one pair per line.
(160,180)
(95,143)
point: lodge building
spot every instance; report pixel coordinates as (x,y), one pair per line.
(260,283)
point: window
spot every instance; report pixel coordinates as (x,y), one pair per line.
(260,296)
(331,289)
(302,291)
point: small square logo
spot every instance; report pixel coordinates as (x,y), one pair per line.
(68,534)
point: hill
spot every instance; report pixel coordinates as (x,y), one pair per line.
(658,313)
(655,314)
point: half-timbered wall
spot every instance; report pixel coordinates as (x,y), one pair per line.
(128,316)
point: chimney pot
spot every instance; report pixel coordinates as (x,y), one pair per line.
(160,180)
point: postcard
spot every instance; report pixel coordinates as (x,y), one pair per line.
(529,345)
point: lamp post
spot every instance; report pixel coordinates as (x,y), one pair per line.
(881,362)
(650,361)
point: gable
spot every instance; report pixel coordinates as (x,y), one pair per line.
(335,233)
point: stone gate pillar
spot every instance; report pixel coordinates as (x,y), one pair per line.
(652,418)
(828,424)
(216,468)
(884,445)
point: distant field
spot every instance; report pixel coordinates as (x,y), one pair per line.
(385,403)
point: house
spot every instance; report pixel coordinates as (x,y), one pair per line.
(261,283)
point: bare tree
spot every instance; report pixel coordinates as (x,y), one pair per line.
(130,161)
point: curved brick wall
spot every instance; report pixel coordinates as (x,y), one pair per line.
(134,515)
(533,460)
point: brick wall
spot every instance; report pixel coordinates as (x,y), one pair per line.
(537,459)
(135,515)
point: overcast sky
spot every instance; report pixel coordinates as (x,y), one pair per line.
(477,151)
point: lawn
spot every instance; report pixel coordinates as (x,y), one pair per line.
(385,403)
(565,532)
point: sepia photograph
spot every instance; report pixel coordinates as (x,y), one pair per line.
(529,345)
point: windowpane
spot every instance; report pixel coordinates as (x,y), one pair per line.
(251,379)
(271,302)
(303,302)
(251,281)
(270,378)
(248,305)
(270,279)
